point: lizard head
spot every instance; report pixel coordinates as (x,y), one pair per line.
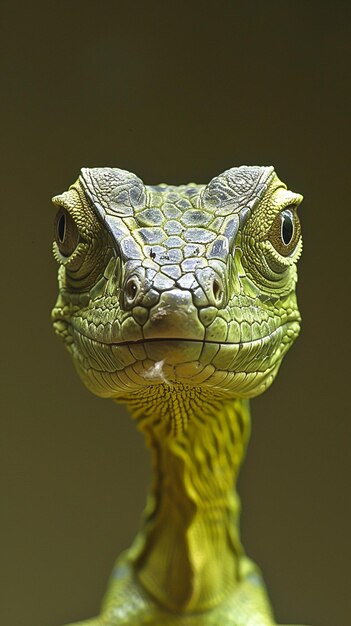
(191,285)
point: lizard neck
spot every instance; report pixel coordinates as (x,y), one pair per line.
(188,550)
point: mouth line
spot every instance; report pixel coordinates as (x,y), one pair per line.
(149,340)
(183,340)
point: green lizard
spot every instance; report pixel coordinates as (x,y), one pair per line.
(180,302)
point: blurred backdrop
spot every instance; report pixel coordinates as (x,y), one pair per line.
(174,91)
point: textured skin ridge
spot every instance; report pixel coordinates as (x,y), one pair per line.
(180,302)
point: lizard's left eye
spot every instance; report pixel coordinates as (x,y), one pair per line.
(66,232)
(285,231)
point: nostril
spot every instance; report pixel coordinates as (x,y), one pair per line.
(131,290)
(217,290)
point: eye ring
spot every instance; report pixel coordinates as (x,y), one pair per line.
(132,290)
(285,231)
(66,232)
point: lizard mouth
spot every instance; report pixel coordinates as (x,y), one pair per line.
(173,340)
(113,368)
(172,350)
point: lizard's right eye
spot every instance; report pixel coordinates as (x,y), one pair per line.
(285,231)
(66,232)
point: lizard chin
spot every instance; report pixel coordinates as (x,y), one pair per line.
(120,371)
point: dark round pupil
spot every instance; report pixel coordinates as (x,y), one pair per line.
(61,228)
(287,228)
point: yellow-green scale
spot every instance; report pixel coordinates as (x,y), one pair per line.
(197,439)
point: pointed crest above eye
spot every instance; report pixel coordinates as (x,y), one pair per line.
(113,191)
(236,189)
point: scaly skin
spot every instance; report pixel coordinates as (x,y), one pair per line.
(180,302)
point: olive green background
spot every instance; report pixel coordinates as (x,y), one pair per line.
(174,91)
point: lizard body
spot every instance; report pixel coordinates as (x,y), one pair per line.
(180,302)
